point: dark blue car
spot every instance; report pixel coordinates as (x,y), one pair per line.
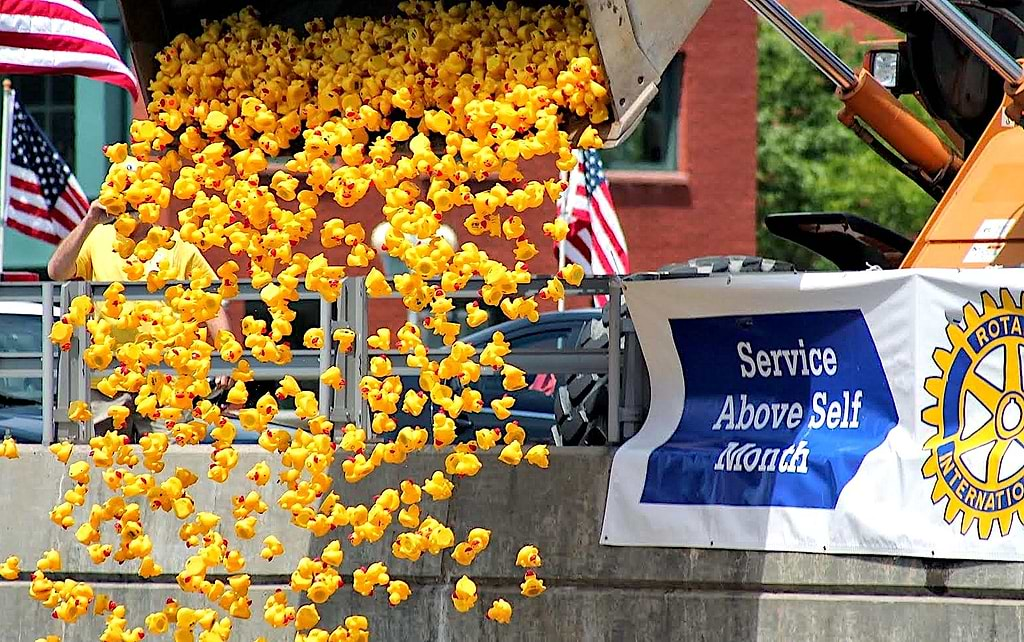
(534,407)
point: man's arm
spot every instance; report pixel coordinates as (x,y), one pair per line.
(62,264)
(217,323)
(213,327)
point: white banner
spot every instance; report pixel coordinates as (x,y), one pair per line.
(866,412)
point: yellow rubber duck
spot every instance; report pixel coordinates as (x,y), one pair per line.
(464,596)
(438,487)
(511,454)
(532,586)
(502,407)
(500,612)
(272,547)
(538,456)
(10,569)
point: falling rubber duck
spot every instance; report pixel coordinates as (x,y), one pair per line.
(500,612)
(464,596)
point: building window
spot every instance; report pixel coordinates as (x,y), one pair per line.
(654,144)
(51,101)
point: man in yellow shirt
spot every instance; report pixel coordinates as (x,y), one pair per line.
(88,253)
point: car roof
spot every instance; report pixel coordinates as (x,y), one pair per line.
(578,315)
(22,308)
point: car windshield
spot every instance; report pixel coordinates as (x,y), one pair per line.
(20,333)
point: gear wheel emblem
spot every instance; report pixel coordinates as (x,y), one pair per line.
(976,456)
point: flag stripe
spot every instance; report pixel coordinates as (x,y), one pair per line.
(604,198)
(47,237)
(69,24)
(25,174)
(45,10)
(595,240)
(45,200)
(62,61)
(47,42)
(58,217)
(606,230)
(68,212)
(33,221)
(59,37)
(49,7)
(603,247)
(24,185)
(78,194)
(33,199)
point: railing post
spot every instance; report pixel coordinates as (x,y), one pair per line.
(49,430)
(342,319)
(72,380)
(87,430)
(634,395)
(360,360)
(352,314)
(614,359)
(326,392)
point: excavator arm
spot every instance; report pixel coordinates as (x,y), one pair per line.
(977,222)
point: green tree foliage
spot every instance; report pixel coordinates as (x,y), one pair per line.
(808,161)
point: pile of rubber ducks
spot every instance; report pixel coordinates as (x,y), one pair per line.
(421,108)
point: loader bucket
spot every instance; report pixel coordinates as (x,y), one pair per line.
(637,38)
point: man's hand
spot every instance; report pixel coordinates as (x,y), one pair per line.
(98,214)
(221,382)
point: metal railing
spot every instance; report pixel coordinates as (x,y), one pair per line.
(353,313)
(72,378)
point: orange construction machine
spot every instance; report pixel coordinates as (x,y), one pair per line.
(957,65)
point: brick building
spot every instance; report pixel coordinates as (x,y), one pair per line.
(840,16)
(683,185)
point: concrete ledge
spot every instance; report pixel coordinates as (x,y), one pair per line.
(596,592)
(589,615)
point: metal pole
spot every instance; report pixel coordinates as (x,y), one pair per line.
(614,360)
(49,430)
(6,123)
(815,50)
(83,388)
(326,396)
(979,42)
(361,354)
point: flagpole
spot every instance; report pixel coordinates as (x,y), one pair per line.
(6,124)
(562,176)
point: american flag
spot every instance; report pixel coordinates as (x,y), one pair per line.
(595,239)
(44,199)
(59,37)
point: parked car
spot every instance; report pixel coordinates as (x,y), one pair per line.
(534,407)
(21,410)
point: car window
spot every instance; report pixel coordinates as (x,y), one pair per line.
(22,333)
(552,339)
(540,385)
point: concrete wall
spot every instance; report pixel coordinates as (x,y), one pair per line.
(596,593)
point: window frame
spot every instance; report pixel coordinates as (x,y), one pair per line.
(46,111)
(671,89)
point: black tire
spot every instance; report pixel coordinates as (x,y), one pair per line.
(581,400)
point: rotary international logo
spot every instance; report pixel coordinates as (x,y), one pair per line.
(976,456)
